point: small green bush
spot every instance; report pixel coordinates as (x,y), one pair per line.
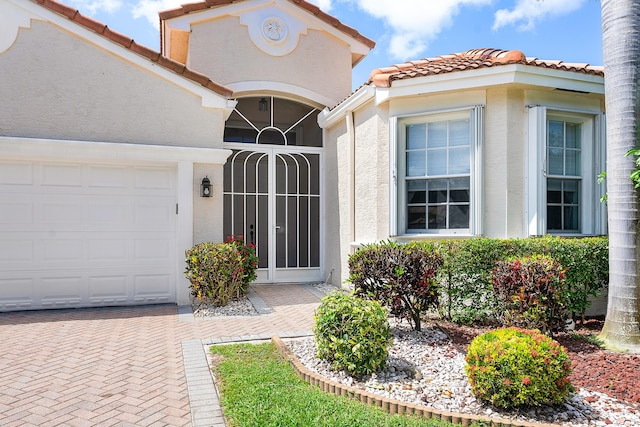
(514,367)
(216,271)
(352,334)
(400,276)
(533,292)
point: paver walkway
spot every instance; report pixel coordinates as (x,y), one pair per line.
(126,366)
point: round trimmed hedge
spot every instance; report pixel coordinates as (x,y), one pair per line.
(352,334)
(514,367)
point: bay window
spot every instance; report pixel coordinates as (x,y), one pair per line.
(438,172)
(565,155)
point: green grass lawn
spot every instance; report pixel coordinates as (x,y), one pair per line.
(259,388)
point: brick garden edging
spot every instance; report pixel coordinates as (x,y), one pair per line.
(391,405)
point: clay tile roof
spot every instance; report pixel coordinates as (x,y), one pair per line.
(129,43)
(311,8)
(469,60)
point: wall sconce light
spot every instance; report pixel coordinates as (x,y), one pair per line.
(205,187)
(263,105)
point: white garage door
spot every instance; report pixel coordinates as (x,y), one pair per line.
(85,235)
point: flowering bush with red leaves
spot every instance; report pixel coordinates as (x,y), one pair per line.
(533,292)
(220,271)
(402,277)
(249,259)
(514,367)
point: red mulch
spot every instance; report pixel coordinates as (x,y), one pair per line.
(596,369)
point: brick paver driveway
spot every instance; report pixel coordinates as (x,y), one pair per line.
(119,366)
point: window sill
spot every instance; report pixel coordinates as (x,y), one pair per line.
(432,236)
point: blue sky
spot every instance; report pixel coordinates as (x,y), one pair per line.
(405,30)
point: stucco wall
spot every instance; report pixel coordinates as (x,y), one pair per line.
(55,85)
(222,49)
(504,149)
(207,211)
(337,202)
(371,174)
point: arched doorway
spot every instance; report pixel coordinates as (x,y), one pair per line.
(272,188)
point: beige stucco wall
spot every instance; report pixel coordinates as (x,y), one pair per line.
(55,85)
(222,49)
(337,202)
(207,211)
(504,163)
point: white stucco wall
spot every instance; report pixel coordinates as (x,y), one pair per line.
(56,85)
(504,149)
(222,49)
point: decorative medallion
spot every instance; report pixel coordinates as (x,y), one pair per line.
(274,29)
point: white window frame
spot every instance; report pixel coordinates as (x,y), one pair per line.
(397,158)
(592,212)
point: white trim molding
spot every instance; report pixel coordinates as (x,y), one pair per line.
(30,148)
(12,18)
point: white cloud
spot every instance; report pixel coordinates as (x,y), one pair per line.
(91,7)
(414,23)
(526,13)
(149,9)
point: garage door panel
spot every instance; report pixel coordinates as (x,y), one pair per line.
(61,175)
(152,178)
(16,173)
(67,212)
(154,215)
(149,288)
(109,290)
(14,212)
(109,249)
(108,177)
(152,249)
(86,235)
(15,250)
(17,293)
(63,291)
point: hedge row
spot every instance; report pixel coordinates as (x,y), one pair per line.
(466,293)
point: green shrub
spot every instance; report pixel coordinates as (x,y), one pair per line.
(533,292)
(466,294)
(514,367)
(216,271)
(465,279)
(351,333)
(400,276)
(249,259)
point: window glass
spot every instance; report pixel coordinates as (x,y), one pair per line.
(416,136)
(437,134)
(564,160)
(437,154)
(416,165)
(437,161)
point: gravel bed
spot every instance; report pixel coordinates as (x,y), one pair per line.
(238,306)
(427,368)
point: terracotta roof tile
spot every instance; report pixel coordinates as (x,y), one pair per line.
(129,43)
(469,60)
(311,8)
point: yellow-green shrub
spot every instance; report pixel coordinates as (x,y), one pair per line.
(513,367)
(216,271)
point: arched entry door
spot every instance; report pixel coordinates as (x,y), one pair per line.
(272,191)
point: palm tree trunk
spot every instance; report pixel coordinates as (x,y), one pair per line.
(621,53)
